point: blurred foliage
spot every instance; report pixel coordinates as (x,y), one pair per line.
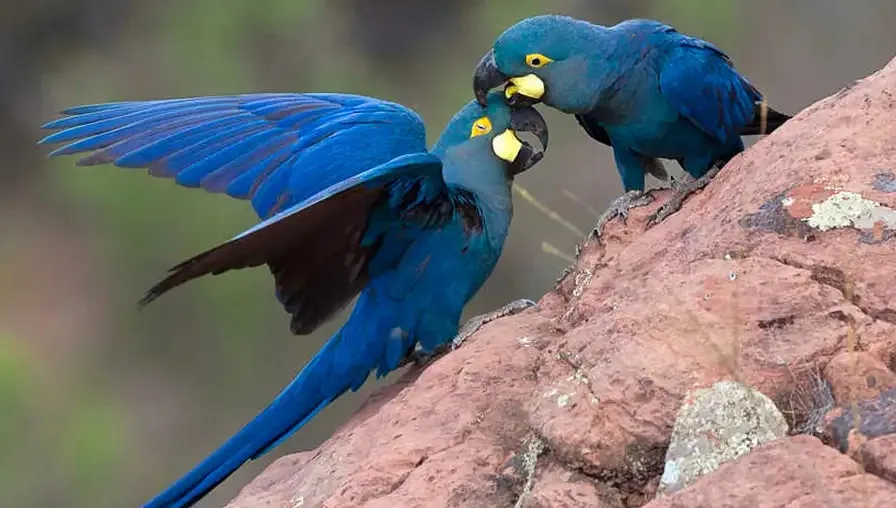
(18,398)
(103,405)
(719,21)
(92,443)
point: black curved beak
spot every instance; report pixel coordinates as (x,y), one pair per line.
(528,120)
(487,76)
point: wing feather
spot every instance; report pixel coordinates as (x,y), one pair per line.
(246,146)
(701,83)
(322,251)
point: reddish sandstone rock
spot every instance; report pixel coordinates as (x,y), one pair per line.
(858,376)
(793,472)
(782,263)
(556,486)
(878,456)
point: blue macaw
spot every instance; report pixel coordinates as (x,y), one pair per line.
(640,87)
(352,202)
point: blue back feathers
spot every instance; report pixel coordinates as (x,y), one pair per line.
(700,82)
(591,63)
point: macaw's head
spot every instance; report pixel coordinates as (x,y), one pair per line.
(479,138)
(543,59)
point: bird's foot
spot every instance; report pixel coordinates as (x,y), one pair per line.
(682,189)
(620,207)
(477,322)
(421,358)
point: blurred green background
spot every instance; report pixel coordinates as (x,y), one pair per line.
(102,406)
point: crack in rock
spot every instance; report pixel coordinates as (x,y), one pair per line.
(835,278)
(579,377)
(530,464)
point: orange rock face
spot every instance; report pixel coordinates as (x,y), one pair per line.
(781,275)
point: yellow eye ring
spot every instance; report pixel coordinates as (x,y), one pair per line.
(480,127)
(537,60)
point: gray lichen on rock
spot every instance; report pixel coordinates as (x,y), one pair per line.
(718,425)
(846,209)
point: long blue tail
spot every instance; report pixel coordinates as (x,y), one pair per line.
(336,368)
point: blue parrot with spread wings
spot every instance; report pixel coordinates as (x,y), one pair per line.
(352,204)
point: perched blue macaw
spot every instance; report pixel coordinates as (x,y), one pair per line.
(353,203)
(640,87)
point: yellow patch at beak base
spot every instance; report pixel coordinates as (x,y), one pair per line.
(529,85)
(506,145)
(510,91)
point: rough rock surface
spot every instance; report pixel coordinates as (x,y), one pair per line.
(878,456)
(858,376)
(782,263)
(717,425)
(848,427)
(796,472)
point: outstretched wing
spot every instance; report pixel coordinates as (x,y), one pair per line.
(322,251)
(701,83)
(275,149)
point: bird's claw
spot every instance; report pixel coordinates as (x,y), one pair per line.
(620,208)
(682,190)
(421,358)
(475,323)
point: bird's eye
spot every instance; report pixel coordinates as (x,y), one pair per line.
(480,127)
(537,60)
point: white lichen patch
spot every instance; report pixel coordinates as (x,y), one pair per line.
(564,400)
(526,341)
(848,209)
(786,202)
(583,278)
(578,377)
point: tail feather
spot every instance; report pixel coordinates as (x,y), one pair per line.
(765,120)
(327,376)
